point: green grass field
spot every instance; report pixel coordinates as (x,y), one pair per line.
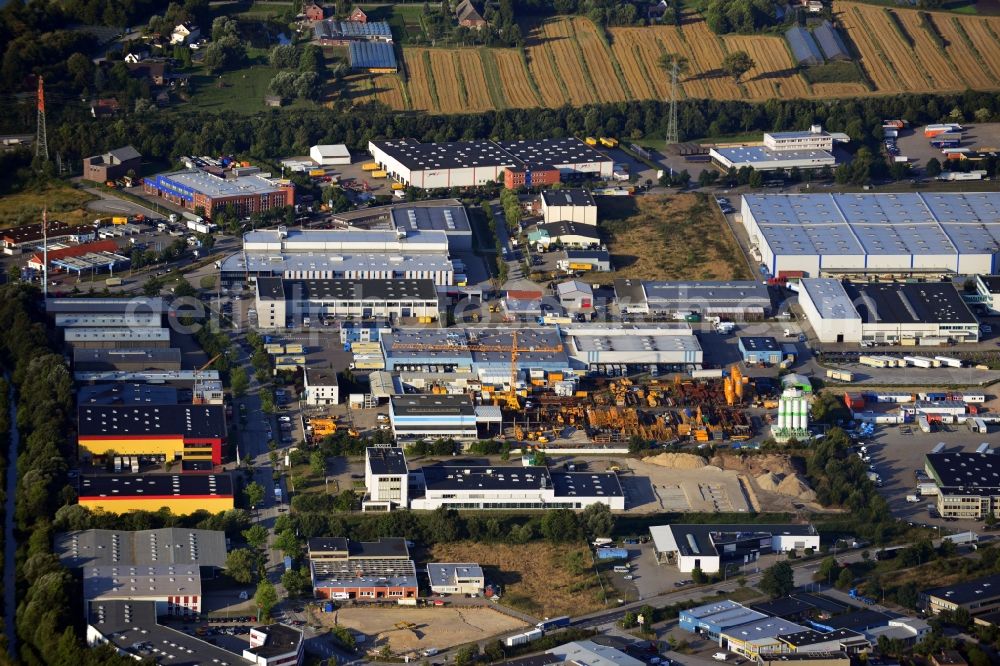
(64,203)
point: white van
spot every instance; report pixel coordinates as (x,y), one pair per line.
(912,499)
(720,656)
(622,568)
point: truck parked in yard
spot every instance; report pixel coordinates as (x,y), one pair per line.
(553,623)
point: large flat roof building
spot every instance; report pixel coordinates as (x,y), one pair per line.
(761,158)
(707,547)
(569,205)
(980,595)
(281,302)
(473,163)
(247,190)
(594,346)
(166,432)
(105,337)
(126,359)
(734,300)
(387,479)
(485,351)
(840,235)
(165,546)
(968,483)
(486,488)
(886,312)
(183,494)
(342,254)
(345,569)
(455,578)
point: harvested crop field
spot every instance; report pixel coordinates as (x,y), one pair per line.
(538,578)
(471,68)
(518,87)
(670,237)
(432,627)
(389,90)
(568,60)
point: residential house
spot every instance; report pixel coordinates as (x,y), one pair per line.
(136,55)
(468,16)
(185,33)
(154,72)
(104,107)
(357,16)
(313,11)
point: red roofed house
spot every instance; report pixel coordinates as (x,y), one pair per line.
(468,16)
(357,16)
(104,107)
(313,11)
(36,259)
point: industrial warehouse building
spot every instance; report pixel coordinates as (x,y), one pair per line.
(104,337)
(183,494)
(736,300)
(331,154)
(29,236)
(344,569)
(484,488)
(104,360)
(159,432)
(340,254)
(920,312)
(988,290)
(977,596)
(245,188)
(903,235)
(473,163)
(781,151)
(598,346)
(571,234)
(968,484)
(485,352)
(283,302)
(569,205)
(134,306)
(168,545)
(451,219)
(456,578)
(710,547)
(428,416)
(759,349)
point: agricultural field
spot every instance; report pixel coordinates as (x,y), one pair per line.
(670,237)
(568,60)
(901,52)
(538,578)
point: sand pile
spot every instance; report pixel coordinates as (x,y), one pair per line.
(796,486)
(769,481)
(676,460)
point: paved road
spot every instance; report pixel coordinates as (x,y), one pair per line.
(9,544)
(107,202)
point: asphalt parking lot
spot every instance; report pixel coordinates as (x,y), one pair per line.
(897,452)
(914,145)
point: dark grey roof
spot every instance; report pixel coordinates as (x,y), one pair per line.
(458,477)
(813,637)
(386,460)
(830,42)
(822,602)
(593,255)
(132,627)
(803,46)
(860,620)
(372,55)
(464,154)
(168,358)
(320,376)
(360,290)
(992,283)
(783,607)
(134,306)
(169,545)
(125,154)
(759,343)
(966,470)
(586,484)
(126,394)
(449,219)
(270,288)
(629,291)
(921,302)
(384,547)
(192,421)
(281,639)
(979,589)
(432,405)
(166,485)
(564,228)
(568,197)
(693,539)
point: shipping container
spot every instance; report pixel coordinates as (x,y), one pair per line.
(590,141)
(840,375)
(317,172)
(521,639)
(609,142)
(941,128)
(379,174)
(923,423)
(119,220)
(398,187)
(973,397)
(612,554)
(113,282)
(294,349)
(369,166)
(873,361)
(274,348)
(854,401)
(919,361)
(949,361)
